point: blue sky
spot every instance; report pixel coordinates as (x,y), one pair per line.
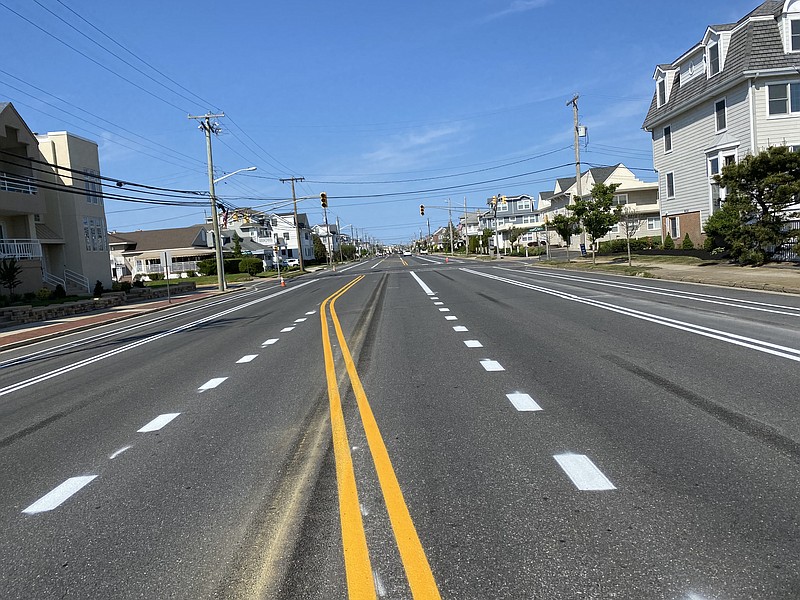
(440,95)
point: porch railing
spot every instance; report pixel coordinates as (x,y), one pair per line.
(17,183)
(20,248)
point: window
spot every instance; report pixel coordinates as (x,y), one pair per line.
(720,116)
(620,199)
(614,228)
(713,166)
(796,35)
(662,92)
(653,223)
(91,184)
(94,233)
(528,219)
(524,204)
(502,207)
(673,227)
(670,185)
(667,139)
(783,98)
(713,59)
(286,235)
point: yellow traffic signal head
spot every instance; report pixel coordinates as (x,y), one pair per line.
(422,210)
(324,199)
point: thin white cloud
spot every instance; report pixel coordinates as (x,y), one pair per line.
(411,149)
(518,6)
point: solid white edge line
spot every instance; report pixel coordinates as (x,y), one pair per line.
(211,384)
(583,473)
(523,402)
(158,423)
(59,495)
(421,283)
(246,359)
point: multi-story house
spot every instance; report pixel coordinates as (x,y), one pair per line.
(329,235)
(52,216)
(638,198)
(285,235)
(513,212)
(735,92)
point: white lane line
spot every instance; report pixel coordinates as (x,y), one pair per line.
(444,310)
(348,268)
(491,365)
(451,318)
(460,328)
(246,359)
(380,589)
(88,361)
(523,402)
(311,312)
(120,451)
(300,320)
(59,495)
(583,472)
(438,303)
(269,342)
(211,384)
(434,297)
(473,344)
(421,283)
(287,329)
(376,264)
(158,423)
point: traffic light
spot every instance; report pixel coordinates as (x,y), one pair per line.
(493,201)
(422,210)
(503,200)
(324,199)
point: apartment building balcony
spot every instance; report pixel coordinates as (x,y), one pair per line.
(19,195)
(20,249)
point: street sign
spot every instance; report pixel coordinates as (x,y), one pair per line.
(537,229)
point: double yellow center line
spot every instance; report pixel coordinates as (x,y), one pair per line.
(360,583)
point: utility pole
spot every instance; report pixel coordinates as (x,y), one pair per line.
(574,103)
(296,222)
(450,220)
(429,236)
(353,241)
(466,229)
(210,127)
(339,240)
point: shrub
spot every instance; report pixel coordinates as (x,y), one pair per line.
(231,265)
(59,293)
(191,273)
(138,283)
(28,297)
(155,276)
(98,289)
(44,294)
(708,244)
(655,243)
(687,243)
(621,245)
(669,244)
(250,265)
(207,266)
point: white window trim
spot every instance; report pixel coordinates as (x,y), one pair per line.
(725,112)
(656,222)
(659,82)
(502,207)
(666,184)
(709,46)
(787,85)
(789,22)
(524,205)
(671,140)
(677,222)
(617,203)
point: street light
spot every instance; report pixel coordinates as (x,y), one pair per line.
(215,222)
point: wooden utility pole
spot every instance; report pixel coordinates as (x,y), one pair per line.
(296,222)
(578,184)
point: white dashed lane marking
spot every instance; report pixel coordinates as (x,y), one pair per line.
(583,472)
(434,297)
(438,303)
(444,310)
(120,451)
(311,312)
(59,495)
(211,384)
(473,344)
(523,402)
(246,359)
(303,320)
(269,342)
(460,328)
(158,423)
(287,329)
(491,365)
(451,318)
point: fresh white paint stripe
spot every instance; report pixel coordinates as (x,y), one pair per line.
(460,328)
(376,264)
(348,268)
(421,283)
(158,423)
(491,365)
(120,451)
(311,312)
(59,495)
(438,303)
(583,472)
(451,318)
(444,310)
(473,344)
(246,359)
(211,384)
(434,297)
(287,329)
(523,402)
(88,361)
(300,320)
(269,342)
(724,336)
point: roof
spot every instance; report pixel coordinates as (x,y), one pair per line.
(161,239)
(755,44)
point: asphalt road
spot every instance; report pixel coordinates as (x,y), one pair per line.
(506,431)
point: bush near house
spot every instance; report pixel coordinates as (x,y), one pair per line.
(687,244)
(251,265)
(669,243)
(621,245)
(155,276)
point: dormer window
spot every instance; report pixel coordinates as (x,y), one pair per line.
(713,59)
(662,92)
(795,33)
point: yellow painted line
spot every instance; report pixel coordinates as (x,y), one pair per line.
(402,260)
(360,584)
(418,571)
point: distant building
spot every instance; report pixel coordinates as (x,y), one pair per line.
(52,216)
(176,251)
(734,93)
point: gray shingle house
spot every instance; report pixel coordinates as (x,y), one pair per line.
(734,93)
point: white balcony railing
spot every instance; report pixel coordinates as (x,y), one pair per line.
(17,183)
(21,249)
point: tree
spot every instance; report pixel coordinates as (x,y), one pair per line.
(348,251)
(320,252)
(630,220)
(761,190)
(237,245)
(513,235)
(486,235)
(566,226)
(596,212)
(9,274)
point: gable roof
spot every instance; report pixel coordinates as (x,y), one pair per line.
(161,239)
(755,44)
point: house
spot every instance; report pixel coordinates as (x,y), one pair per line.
(254,230)
(285,235)
(639,198)
(513,212)
(734,93)
(139,254)
(52,215)
(329,235)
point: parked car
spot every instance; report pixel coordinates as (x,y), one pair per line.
(293,262)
